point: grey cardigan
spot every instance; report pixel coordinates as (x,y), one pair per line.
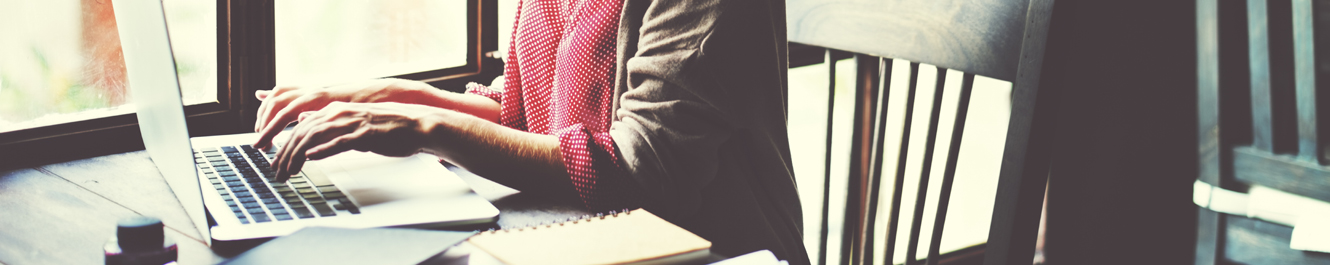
(699,120)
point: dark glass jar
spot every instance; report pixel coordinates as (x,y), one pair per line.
(140,241)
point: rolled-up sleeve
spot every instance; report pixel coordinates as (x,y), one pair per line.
(671,120)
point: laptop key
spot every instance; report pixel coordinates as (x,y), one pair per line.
(255,211)
(244,221)
(282,217)
(295,202)
(278,210)
(271,200)
(238,188)
(333,195)
(261,219)
(324,210)
(303,213)
(250,204)
(304,190)
(327,188)
(247,200)
(240,214)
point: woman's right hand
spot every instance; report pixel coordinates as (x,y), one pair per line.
(283,105)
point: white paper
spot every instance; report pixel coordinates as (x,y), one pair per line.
(1312,232)
(757,257)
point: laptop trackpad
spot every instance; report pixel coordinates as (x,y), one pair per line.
(371,179)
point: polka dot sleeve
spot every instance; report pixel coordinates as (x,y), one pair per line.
(593,166)
(478,89)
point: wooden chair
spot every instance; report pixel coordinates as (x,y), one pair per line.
(1261,107)
(1001,39)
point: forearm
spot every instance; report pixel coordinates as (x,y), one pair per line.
(476,105)
(421,93)
(526,161)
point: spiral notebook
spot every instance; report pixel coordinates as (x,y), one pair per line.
(630,237)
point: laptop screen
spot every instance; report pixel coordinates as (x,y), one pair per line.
(156,91)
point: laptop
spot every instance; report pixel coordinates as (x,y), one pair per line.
(224,179)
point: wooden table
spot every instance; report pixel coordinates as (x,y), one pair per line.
(63,213)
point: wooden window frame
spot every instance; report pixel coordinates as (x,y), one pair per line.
(245,64)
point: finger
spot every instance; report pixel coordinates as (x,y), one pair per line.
(288,153)
(279,95)
(262,94)
(285,117)
(347,142)
(315,133)
(284,155)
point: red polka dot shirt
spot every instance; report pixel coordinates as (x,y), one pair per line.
(559,80)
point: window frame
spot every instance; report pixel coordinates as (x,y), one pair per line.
(245,64)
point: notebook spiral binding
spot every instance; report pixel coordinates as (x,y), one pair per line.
(570,220)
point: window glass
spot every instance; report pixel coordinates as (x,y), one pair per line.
(62,60)
(326,42)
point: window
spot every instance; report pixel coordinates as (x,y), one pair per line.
(354,40)
(70,68)
(62,80)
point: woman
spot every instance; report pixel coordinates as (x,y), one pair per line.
(674,106)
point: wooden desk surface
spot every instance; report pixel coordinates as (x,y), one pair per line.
(63,213)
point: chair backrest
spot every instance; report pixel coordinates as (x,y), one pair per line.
(1257,66)
(1000,39)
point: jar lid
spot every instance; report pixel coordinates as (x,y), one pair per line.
(140,233)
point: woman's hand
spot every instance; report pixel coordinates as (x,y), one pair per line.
(282,105)
(391,129)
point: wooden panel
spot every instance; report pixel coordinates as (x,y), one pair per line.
(1025,158)
(1259,56)
(982,37)
(861,140)
(1321,20)
(884,88)
(949,172)
(1304,49)
(1207,77)
(1207,74)
(1251,241)
(926,168)
(826,184)
(1283,98)
(1282,172)
(894,216)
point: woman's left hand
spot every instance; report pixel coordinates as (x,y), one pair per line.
(391,129)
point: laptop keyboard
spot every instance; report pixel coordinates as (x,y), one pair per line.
(244,179)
